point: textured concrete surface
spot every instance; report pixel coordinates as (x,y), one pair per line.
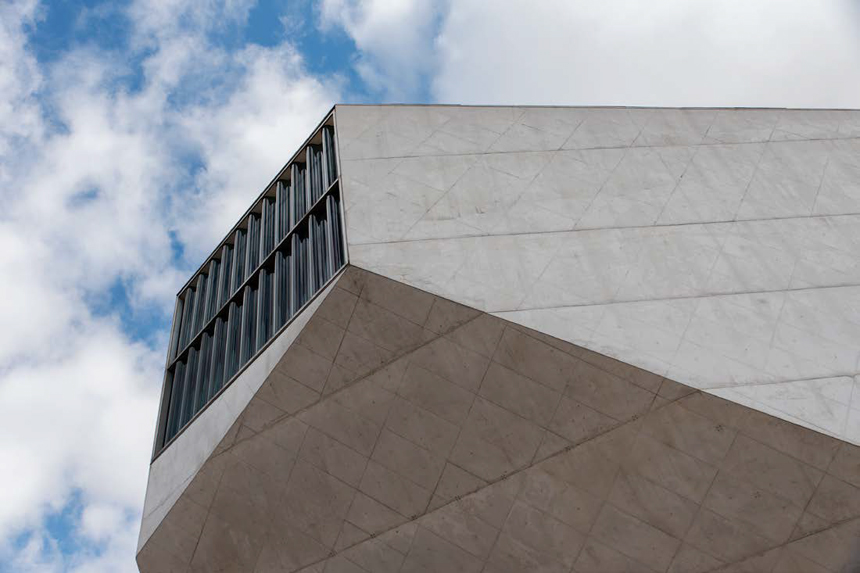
(404,432)
(720,248)
(173,470)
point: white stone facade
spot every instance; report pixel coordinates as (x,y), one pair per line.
(718,247)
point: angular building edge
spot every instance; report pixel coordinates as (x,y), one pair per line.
(175,467)
(717,247)
(404,432)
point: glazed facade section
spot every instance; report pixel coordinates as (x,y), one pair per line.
(278,257)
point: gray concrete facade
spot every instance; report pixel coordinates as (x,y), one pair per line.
(172,471)
(567,339)
(406,433)
(718,247)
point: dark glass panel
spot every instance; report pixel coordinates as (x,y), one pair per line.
(239,252)
(282,289)
(313,158)
(270,228)
(212,290)
(282,196)
(264,308)
(313,254)
(298,192)
(224,291)
(249,325)
(234,333)
(330,251)
(217,359)
(175,331)
(329,159)
(187,408)
(199,306)
(201,391)
(187,318)
(253,257)
(175,404)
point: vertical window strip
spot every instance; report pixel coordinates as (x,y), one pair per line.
(200,390)
(175,331)
(236,332)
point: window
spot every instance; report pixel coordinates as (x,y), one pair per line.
(283,252)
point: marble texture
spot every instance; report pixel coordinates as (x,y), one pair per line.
(173,470)
(717,247)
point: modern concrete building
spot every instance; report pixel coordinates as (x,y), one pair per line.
(507,339)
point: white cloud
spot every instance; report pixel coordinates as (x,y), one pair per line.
(156,21)
(100,520)
(19,78)
(94,179)
(248,137)
(393,38)
(776,53)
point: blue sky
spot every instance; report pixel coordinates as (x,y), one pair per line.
(134,133)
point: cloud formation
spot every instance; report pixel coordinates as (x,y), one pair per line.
(392,38)
(120,168)
(770,53)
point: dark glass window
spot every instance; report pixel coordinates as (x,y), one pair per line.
(249,325)
(238,260)
(224,291)
(264,308)
(278,258)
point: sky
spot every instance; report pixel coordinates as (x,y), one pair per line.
(134,133)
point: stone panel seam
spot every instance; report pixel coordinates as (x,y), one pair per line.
(488,483)
(475,395)
(789,543)
(572,133)
(850,401)
(603,185)
(579,358)
(725,222)
(808,503)
(605,500)
(382,427)
(701,505)
(671,298)
(524,469)
(820,184)
(208,514)
(369,374)
(597,148)
(507,516)
(447,191)
(749,435)
(770,447)
(559,453)
(353,383)
(547,430)
(681,178)
(775,382)
(755,171)
(615,477)
(551,259)
(340,344)
(714,120)
(449,503)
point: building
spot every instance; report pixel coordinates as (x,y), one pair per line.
(503,339)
